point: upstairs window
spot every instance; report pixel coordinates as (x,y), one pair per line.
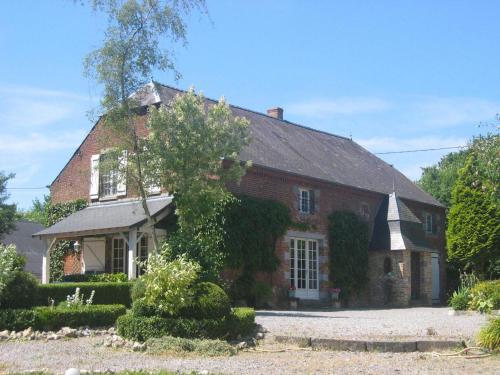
(306,201)
(108,177)
(430,223)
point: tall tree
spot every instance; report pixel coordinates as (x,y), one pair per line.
(7,211)
(438,179)
(138,42)
(195,148)
(37,212)
(473,234)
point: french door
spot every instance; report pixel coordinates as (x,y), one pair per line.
(304,268)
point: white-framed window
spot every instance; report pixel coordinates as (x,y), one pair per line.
(142,254)
(306,201)
(430,223)
(107,176)
(118,255)
(304,267)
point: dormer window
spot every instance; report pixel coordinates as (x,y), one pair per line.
(108,176)
(306,201)
(430,224)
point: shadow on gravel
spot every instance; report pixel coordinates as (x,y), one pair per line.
(298,315)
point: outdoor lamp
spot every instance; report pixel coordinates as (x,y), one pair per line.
(76,246)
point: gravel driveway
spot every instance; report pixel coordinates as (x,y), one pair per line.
(360,324)
(84,353)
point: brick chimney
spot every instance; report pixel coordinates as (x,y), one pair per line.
(276,112)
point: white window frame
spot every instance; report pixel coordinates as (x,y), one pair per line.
(304,201)
(107,178)
(428,223)
(311,274)
(117,257)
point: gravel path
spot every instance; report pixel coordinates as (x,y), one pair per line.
(84,353)
(359,324)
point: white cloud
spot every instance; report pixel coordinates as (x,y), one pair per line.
(323,107)
(445,112)
(32,107)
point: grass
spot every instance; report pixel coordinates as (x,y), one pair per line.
(177,345)
(489,335)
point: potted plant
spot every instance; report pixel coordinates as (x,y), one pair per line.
(334,293)
(291,291)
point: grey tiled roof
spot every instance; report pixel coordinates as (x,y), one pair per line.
(293,148)
(31,248)
(106,218)
(397,228)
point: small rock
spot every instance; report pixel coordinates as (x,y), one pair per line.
(107,344)
(67,332)
(53,336)
(260,336)
(138,347)
(4,335)
(242,345)
(111,330)
(27,332)
(72,371)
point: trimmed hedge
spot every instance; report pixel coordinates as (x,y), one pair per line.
(46,318)
(240,322)
(209,302)
(20,292)
(106,293)
(92,316)
(17,319)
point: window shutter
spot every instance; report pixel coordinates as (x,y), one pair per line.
(312,201)
(434,224)
(121,186)
(94,177)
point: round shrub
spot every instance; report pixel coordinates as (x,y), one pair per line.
(20,291)
(209,302)
(141,308)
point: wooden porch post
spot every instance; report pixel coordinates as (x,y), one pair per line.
(46,262)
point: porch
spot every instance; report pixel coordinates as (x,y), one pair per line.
(109,236)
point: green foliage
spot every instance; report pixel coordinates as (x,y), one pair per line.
(53,214)
(473,234)
(485,296)
(142,328)
(209,302)
(168,282)
(10,264)
(348,252)
(20,292)
(188,140)
(48,318)
(138,289)
(438,180)
(37,211)
(96,278)
(177,345)
(17,319)
(489,336)
(106,293)
(460,299)
(263,293)
(7,211)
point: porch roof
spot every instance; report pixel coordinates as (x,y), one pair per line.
(103,218)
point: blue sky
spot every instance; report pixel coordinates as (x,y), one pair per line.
(394,75)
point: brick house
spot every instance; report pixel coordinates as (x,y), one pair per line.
(312,172)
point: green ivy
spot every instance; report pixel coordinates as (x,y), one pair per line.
(53,214)
(348,252)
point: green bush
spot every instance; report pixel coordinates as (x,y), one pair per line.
(141,308)
(209,302)
(93,316)
(96,278)
(105,293)
(485,296)
(178,345)
(240,322)
(138,289)
(460,299)
(489,336)
(17,319)
(20,291)
(263,293)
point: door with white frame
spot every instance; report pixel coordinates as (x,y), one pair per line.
(304,268)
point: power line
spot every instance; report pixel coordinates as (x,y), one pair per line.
(421,150)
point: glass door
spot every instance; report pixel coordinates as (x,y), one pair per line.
(304,268)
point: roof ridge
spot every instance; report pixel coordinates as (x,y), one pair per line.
(262,114)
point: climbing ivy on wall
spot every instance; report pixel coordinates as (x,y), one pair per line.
(348,252)
(54,213)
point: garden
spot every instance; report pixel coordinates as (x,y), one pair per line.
(168,303)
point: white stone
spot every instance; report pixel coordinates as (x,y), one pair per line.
(260,336)
(138,347)
(4,334)
(27,332)
(67,332)
(242,345)
(53,336)
(72,371)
